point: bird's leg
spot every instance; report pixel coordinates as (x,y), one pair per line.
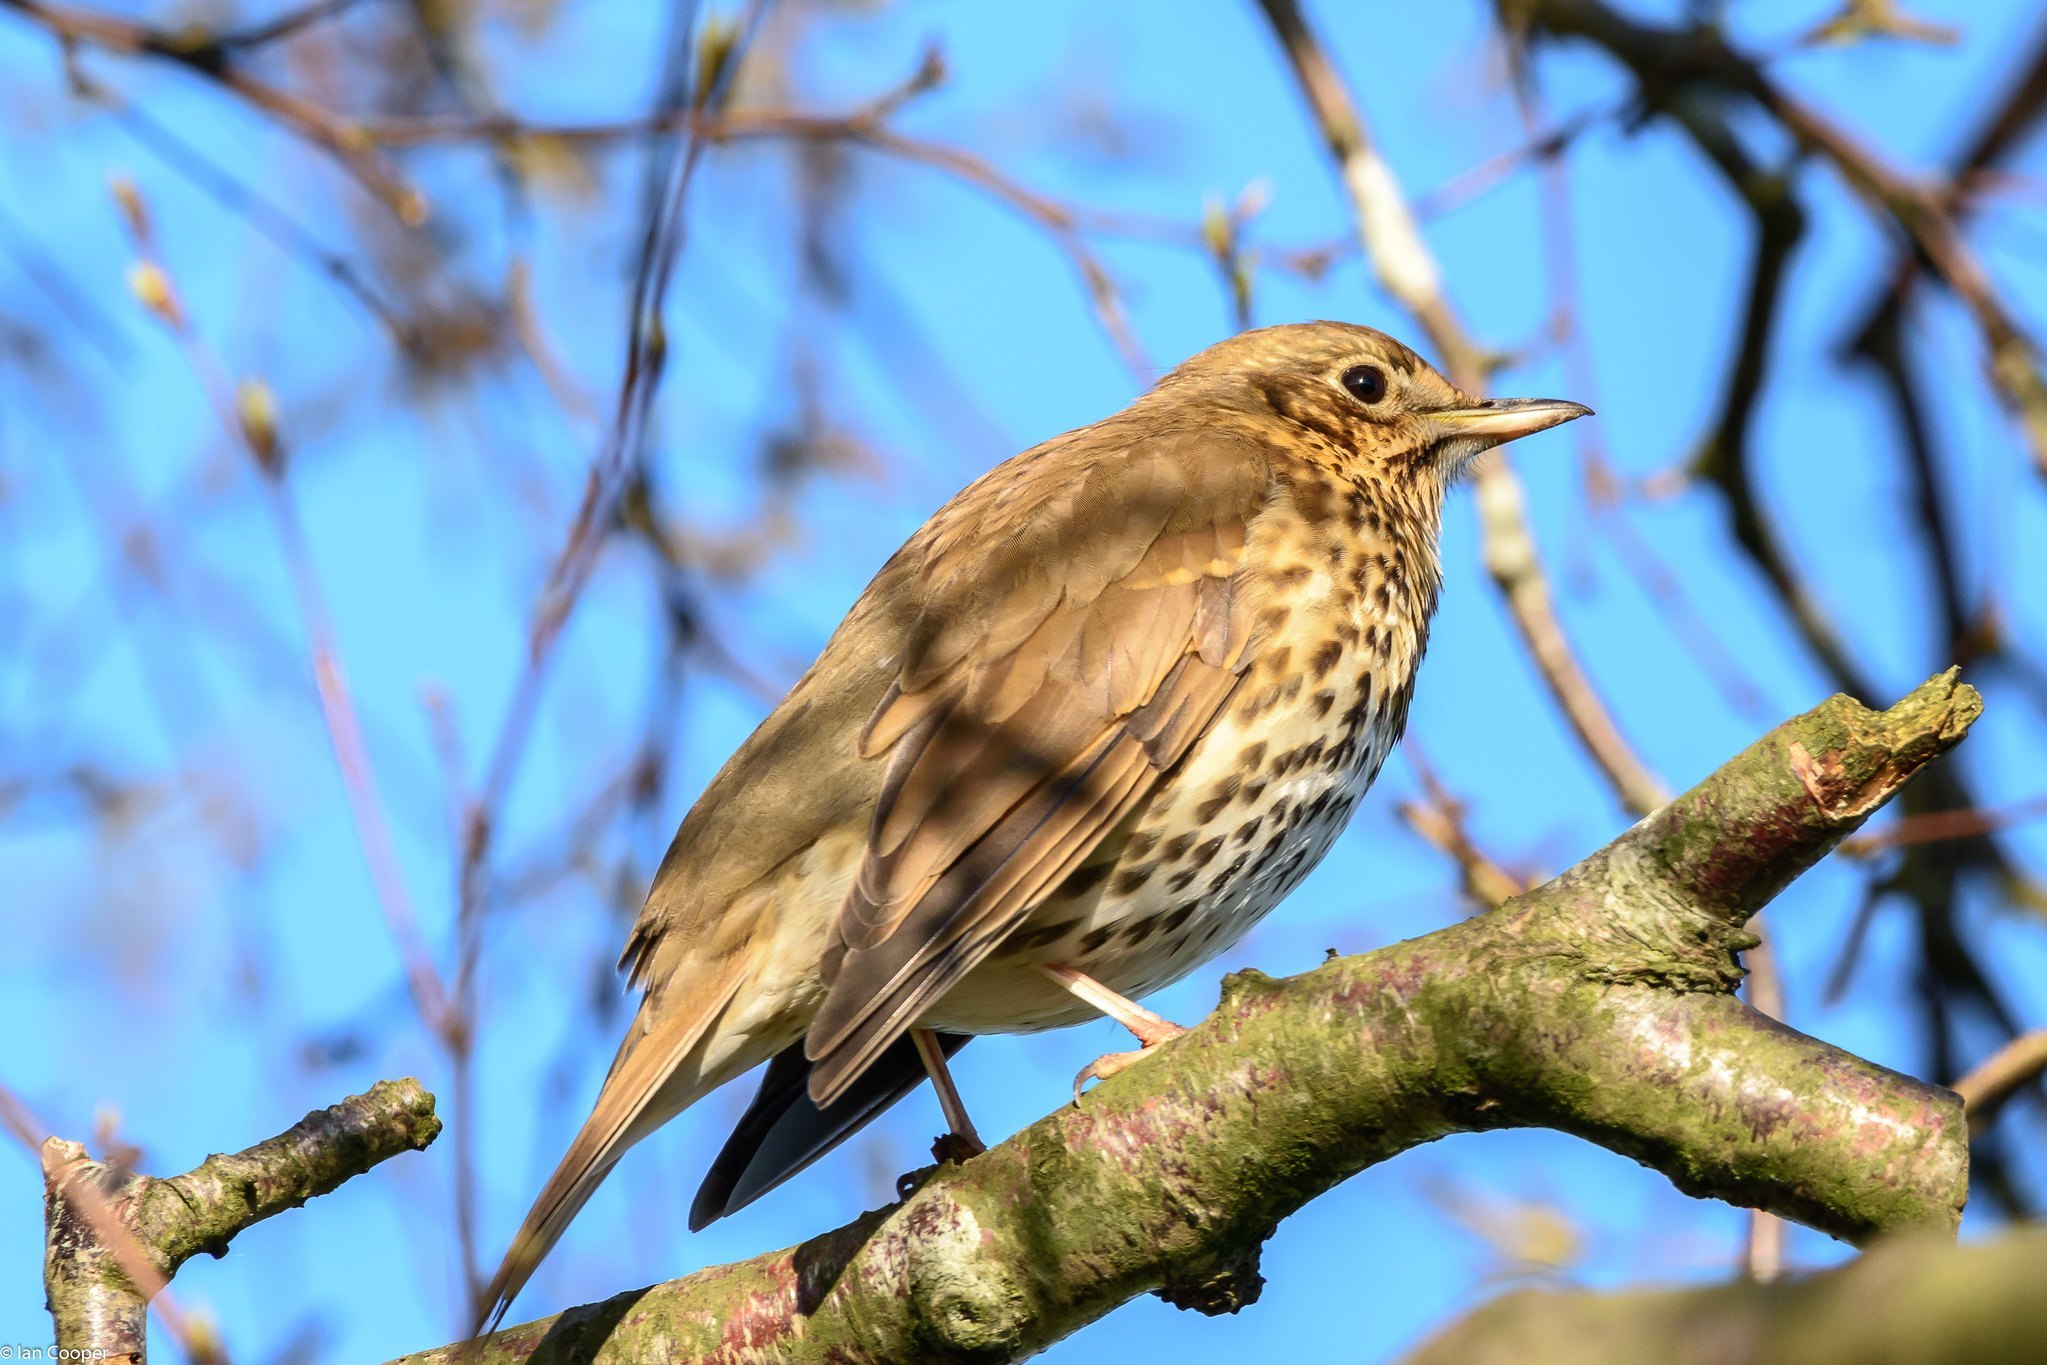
(1151,1030)
(960,1140)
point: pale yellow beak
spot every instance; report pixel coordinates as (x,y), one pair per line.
(1506,419)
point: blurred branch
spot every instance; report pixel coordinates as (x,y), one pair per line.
(1667,60)
(261,213)
(249,418)
(285,25)
(1408,272)
(1439,819)
(2007,1071)
(215,59)
(868,127)
(1934,826)
(609,476)
(1601,1004)
(115,1238)
(1917,1300)
(1689,74)
(2006,126)
(718,53)
(1724,456)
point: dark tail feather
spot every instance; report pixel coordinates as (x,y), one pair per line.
(783,1130)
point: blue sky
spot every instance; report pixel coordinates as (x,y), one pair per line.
(152,976)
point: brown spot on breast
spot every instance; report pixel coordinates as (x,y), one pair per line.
(1253,755)
(1205,852)
(1324,700)
(1224,793)
(1177,846)
(1326,656)
(1043,935)
(1086,878)
(1131,878)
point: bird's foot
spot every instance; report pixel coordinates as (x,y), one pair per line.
(1156,1031)
(957,1148)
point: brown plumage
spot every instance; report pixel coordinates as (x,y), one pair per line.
(1104,710)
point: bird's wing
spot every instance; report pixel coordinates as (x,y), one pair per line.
(1077,629)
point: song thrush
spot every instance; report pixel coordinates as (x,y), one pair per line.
(1097,717)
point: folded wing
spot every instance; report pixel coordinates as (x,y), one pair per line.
(1074,637)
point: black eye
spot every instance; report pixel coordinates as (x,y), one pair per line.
(1367,383)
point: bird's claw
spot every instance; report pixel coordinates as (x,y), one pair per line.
(1109,1063)
(957,1148)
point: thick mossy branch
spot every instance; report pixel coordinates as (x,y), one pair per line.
(1601,1004)
(1916,1300)
(109,1228)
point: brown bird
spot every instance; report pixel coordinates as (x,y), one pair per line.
(1084,730)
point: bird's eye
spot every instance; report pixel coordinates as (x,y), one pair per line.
(1366,383)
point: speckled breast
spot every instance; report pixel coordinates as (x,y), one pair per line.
(1257,801)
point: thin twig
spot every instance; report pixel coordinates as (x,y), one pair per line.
(1930,827)
(250,423)
(1669,59)
(1439,819)
(2007,1071)
(212,60)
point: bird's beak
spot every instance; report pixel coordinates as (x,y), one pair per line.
(1505,419)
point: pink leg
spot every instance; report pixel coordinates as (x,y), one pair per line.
(960,1141)
(1151,1030)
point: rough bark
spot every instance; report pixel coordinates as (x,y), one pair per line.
(1914,1300)
(1601,1004)
(114,1238)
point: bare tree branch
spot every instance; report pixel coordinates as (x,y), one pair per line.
(99,1214)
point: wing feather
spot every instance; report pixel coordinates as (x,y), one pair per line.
(1075,635)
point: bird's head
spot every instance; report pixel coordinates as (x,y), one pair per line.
(1360,400)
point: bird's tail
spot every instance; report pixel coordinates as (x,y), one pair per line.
(637,1098)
